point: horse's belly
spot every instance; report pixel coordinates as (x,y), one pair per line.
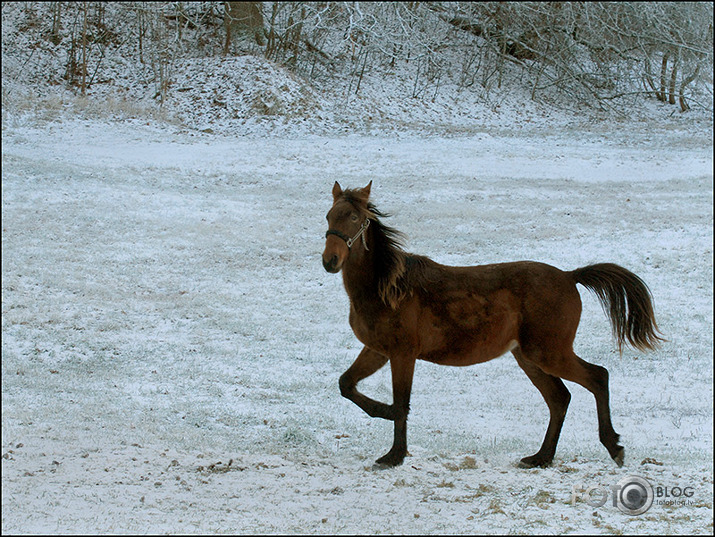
(457,355)
(468,331)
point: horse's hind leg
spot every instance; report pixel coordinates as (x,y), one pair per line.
(557,397)
(367,363)
(595,379)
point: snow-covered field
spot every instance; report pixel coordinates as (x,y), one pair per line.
(171,344)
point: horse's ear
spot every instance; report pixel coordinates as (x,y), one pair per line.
(366,191)
(337,191)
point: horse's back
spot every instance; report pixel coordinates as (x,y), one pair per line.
(527,280)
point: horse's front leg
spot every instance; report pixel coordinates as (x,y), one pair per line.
(367,363)
(403,370)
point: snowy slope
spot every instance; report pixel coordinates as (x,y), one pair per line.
(171,344)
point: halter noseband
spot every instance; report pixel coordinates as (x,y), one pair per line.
(348,240)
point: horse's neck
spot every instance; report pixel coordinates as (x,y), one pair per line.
(359,275)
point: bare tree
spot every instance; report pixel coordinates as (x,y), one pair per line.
(243,18)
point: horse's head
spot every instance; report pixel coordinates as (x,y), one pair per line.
(348,220)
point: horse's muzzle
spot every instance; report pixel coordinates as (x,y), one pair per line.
(331,265)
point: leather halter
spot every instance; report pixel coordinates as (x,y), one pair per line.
(350,241)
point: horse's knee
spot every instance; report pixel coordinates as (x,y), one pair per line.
(400,412)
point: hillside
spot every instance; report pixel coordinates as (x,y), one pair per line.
(108,68)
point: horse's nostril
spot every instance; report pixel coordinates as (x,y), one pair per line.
(330,265)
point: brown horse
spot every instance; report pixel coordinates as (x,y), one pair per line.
(406,307)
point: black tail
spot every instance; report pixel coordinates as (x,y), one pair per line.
(626,300)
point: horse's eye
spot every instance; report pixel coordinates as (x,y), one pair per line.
(354,217)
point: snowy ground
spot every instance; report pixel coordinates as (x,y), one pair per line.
(171,344)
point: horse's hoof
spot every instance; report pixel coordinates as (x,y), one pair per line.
(384,464)
(389,461)
(533,462)
(619,456)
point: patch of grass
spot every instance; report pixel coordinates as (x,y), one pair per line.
(611,529)
(567,469)
(495,506)
(220,468)
(468,463)
(544,497)
(481,490)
